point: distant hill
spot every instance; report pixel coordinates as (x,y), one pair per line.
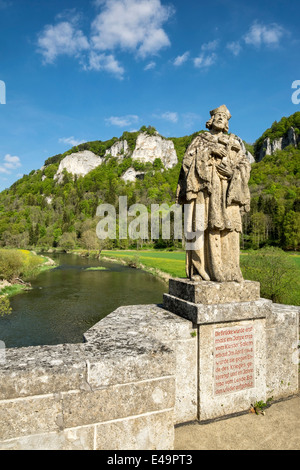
(279,136)
(56,205)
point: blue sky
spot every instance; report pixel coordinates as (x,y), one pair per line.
(86,70)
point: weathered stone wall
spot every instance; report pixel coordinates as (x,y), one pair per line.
(140,371)
(282,328)
(118,390)
(238,369)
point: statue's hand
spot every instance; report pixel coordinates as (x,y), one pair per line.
(219,152)
(224,171)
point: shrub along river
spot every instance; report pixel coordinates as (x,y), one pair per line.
(66,301)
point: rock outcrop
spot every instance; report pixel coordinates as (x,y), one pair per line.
(78,164)
(149,147)
(119,149)
(246,152)
(131,175)
(268,147)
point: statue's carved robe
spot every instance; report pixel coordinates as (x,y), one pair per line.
(218,187)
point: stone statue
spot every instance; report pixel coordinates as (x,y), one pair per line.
(213,186)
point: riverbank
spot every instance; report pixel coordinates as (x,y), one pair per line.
(277,272)
(163,264)
(17,267)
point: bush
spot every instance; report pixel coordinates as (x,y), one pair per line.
(5,308)
(11,263)
(277,273)
(18,263)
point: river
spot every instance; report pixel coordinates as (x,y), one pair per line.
(68,300)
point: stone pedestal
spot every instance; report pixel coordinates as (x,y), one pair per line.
(231,322)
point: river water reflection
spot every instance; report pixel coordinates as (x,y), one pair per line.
(68,300)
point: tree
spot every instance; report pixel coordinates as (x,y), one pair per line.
(291,228)
(90,240)
(67,241)
(277,273)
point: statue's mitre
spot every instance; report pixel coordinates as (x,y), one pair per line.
(221,109)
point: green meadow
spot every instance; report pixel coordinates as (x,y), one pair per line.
(278,272)
(172,263)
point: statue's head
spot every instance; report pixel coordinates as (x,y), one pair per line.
(219,119)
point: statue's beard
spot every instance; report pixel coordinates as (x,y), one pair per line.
(218,126)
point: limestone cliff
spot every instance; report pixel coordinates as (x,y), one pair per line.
(150,147)
(246,152)
(78,164)
(119,149)
(147,149)
(269,147)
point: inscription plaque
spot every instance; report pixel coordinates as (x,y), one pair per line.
(233,359)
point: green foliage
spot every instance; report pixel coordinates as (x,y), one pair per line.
(130,137)
(11,263)
(150,130)
(55,159)
(277,273)
(96,268)
(37,211)
(19,263)
(260,406)
(279,129)
(275,210)
(5,308)
(67,241)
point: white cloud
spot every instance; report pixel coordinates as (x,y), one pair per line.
(207,57)
(234,47)
(9,164)
(170,116)
(205,61)
(71,141)
(181,59)
(105,62)
(260,34)
(189,119)
(210,46)
(135,25)
(150,66)
(122,121)
(63,38)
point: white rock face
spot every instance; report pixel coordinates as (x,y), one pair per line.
(131,175)
(149,147)
(246,152)
(269,148)
(79,164)
(120,149)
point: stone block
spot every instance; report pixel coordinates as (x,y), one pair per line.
(186,380)
(25,416)
(153,431)
(71,439)
(117,402)
(42,370)
(282,351)
(208,292)
(217,313)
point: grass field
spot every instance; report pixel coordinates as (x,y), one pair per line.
(172,263)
